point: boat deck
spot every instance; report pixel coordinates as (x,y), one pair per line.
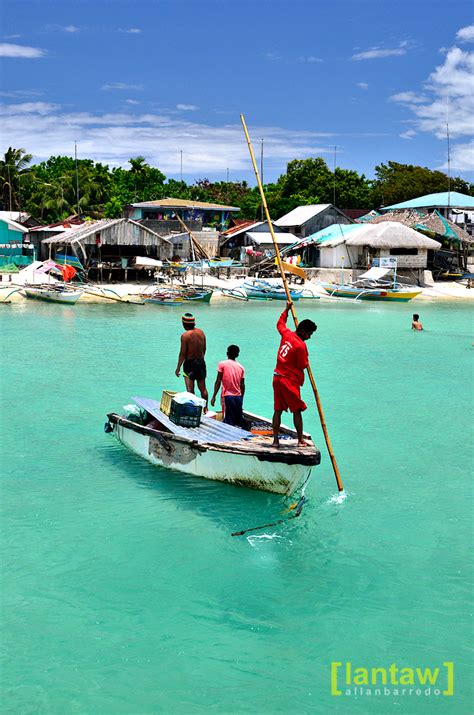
(209,431)
(227,438)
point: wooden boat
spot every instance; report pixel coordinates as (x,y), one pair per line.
(53,293)
(370,293)
(218,451)
(371,286)
(196,294)
(237,293)
(162,297)
(258,289)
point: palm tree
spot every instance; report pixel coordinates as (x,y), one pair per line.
(139,168)
(13,165)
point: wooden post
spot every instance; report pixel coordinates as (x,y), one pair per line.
(293,312)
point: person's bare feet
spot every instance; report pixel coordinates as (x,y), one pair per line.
(275,444)
(302,443)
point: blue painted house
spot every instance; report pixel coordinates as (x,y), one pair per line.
(13,248)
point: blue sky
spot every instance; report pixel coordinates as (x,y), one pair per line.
(159,77)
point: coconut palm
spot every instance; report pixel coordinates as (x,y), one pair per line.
(13,165)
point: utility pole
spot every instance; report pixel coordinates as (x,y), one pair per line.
(334,177)
(181,153)
(77,179)
(261,176)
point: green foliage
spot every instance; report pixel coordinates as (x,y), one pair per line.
(13,167)
(401,182)
(48,190)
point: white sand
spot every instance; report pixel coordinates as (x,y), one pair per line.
(110,293)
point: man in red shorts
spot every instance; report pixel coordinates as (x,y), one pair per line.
(292,360)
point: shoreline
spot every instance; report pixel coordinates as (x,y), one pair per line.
(119,292)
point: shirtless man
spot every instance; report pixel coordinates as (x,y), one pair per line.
(191,356)
(416,325)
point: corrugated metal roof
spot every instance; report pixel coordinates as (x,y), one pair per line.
(301,214)
(85,230)
(239,227)
(444,199)
(183,204)
(209,431)
(14,225)
(266,237)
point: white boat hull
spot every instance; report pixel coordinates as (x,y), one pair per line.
(54,296)
(215,462)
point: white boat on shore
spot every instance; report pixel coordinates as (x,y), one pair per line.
(218,451)
(53,293)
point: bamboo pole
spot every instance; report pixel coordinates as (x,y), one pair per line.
(293,311)
(193,239)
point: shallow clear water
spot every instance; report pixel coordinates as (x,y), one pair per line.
(122,590)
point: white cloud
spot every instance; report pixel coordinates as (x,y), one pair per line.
(408,98)
(28,108)
(187,107)
(131,101)
(311,59)
(114,138)
(121,86)
(9,50)
(21,93)
(62,28)
(447,97)
(409,134)
(133,31)
(462,157)
(375,53)
(362,85)
(465,34)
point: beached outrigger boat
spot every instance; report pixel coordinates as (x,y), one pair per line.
(53,293)
(259,289)
(218,451)
(370,286)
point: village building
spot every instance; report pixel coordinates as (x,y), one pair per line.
(355,247)
(168,216)
(15,248)
(305,220)
(107,248)
(251,241)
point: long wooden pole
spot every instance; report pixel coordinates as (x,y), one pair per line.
(293,312)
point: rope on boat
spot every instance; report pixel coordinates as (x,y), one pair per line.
(298,507)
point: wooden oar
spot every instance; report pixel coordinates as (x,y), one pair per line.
(293,312)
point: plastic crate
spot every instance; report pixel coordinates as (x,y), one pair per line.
(187,415)
(165,404)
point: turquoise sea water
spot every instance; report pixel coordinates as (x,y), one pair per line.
(122,590)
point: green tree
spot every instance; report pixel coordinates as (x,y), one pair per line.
(13,167)
(401,182)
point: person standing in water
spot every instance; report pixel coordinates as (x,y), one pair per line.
(231,376)
(292,360)
(415,324)
(191,356)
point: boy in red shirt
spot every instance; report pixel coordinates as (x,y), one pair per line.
(292,360)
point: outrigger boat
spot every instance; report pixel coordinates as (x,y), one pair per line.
(53,293)
(370,286)
(217,451)
(259,289)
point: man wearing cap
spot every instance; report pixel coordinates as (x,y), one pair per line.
(191,356)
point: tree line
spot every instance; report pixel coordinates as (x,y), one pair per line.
(58,187)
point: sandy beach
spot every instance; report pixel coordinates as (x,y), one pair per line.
(117,292)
